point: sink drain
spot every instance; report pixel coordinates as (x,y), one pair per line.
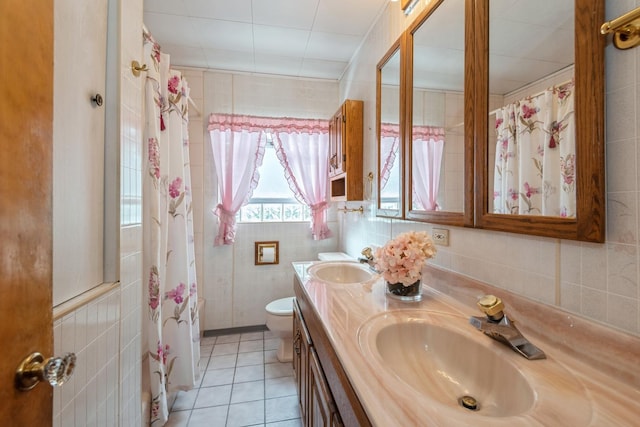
(468,402)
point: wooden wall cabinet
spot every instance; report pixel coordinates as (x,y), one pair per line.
(325,394)
(345,153)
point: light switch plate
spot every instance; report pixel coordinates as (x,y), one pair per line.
(440,236)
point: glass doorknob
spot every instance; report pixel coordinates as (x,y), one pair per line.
(35,368)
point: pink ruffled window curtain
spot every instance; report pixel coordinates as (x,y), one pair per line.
(238,148)
(428,146)
(389,145)
(303,149)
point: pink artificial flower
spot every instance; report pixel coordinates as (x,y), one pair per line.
(174,188)
(401,259)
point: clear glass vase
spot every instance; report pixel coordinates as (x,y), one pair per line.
(408,293)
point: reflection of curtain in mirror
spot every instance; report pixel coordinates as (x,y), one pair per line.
(535,155)
(428,145)
(389,145)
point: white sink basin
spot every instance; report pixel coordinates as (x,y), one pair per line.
(345,272)
(444,365)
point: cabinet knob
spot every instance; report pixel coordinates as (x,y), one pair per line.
(97,99)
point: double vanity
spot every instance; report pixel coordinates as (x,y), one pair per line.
(362,358)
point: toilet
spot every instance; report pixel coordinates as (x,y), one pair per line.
(280,322)
(280,314)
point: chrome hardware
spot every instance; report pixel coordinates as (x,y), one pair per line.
(333,162)
(55,370)
(136,68)
(499,327)
(97,99)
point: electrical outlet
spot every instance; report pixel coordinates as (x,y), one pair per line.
(440,236)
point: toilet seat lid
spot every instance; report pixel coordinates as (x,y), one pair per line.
(281,307)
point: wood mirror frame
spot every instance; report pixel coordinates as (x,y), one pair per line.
(589,223)
(396,48)
(464,218)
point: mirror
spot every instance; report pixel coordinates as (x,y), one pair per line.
(390,138)
(441,158)
(539,118)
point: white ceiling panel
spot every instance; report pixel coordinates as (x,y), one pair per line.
(226,35)
(228,10)
(321,69)
(173,7)
(186,56)
(229,60)
(273,64)
(268,40)
(332,46)
(172,30)
(285,13)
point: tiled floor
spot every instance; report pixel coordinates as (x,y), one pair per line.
(243,384)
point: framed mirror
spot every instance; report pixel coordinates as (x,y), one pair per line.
(540,118)
(389,111)
(438,132)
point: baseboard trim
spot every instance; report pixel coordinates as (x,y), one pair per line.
(238,330)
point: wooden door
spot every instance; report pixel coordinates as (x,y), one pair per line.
(26,136)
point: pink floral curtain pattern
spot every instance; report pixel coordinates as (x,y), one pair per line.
(389,146)
(238,143)
(535,155)
(426,161)
(168,253)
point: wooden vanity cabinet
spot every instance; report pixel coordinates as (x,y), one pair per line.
(345,151)
(325,394)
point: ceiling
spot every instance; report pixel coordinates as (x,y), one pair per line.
(300,38)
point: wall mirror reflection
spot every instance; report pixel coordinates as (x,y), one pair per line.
(531,101)
(438,182)
(390,141)
(541,159)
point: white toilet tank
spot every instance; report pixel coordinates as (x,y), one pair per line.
(335,256)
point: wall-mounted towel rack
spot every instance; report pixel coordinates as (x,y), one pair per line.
(625,29)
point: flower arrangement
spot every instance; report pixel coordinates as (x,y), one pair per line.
(401,259)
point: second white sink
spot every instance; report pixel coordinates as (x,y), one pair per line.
(343,272)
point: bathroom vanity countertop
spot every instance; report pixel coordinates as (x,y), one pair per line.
(598,385)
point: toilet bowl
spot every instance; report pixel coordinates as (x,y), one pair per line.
(280,322)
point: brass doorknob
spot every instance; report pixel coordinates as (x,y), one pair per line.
(55,370)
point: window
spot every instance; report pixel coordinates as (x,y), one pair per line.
(272,199)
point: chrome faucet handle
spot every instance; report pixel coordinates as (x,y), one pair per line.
(367,253)
(492,306)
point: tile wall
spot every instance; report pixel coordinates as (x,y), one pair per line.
(236,291)
(598,281)
(105,333)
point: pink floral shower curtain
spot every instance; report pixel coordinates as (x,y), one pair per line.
(238,144)
(535,155)
(426,159)
(168,254)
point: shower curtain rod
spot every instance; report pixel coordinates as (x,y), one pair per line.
(195,107)
(535,95)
